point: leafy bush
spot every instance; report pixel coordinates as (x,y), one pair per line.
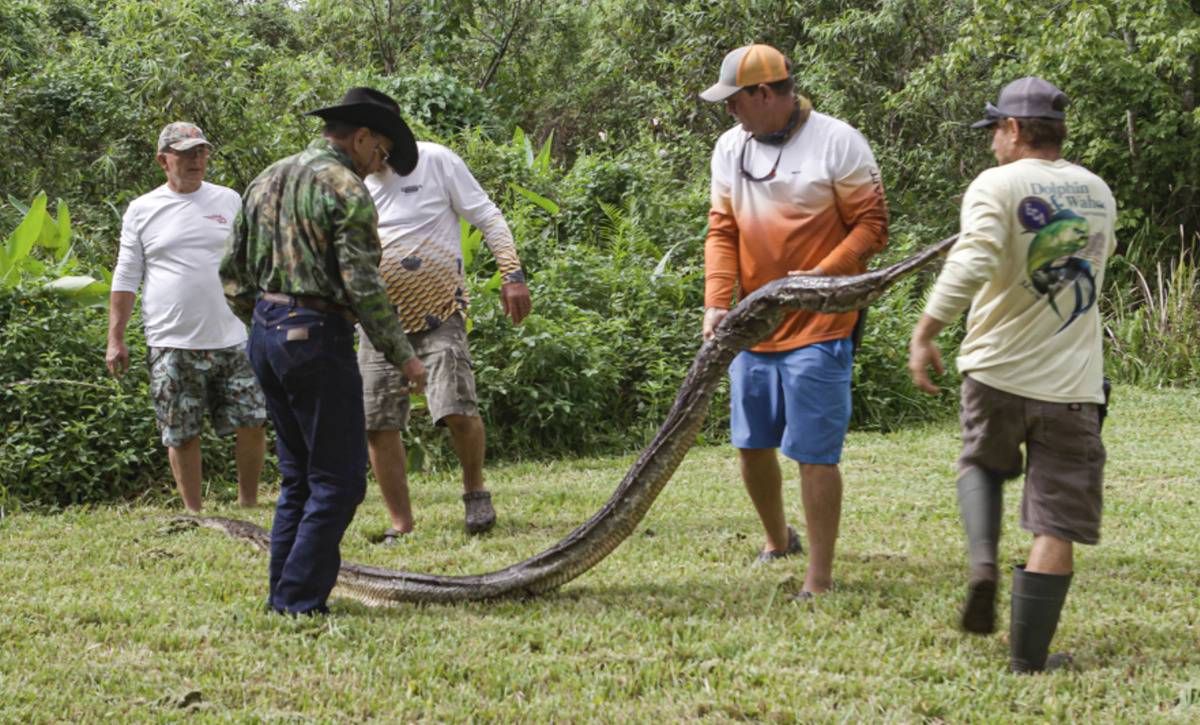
(611,228)
(437,100)
(72,434)
(1153,325)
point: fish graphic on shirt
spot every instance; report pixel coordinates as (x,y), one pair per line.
(1052,268)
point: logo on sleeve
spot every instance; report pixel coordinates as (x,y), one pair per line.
(218,218)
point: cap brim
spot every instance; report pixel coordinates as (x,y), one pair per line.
(187,143)
(992,115)
(719,92)
(403,156)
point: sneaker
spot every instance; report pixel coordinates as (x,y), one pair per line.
(391,537)
(979,611)
(793,548)
(480,516)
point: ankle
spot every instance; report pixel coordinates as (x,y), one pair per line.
(818,584)
(983,573)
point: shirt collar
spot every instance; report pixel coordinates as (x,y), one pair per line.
(325,147)
(799,115)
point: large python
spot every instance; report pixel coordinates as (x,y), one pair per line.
(751,320)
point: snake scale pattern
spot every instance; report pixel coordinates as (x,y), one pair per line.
(751,320)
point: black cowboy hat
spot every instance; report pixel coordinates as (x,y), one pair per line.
(378,112)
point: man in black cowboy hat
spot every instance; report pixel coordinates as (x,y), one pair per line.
(302,265)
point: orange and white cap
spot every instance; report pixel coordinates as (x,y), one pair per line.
(747,66)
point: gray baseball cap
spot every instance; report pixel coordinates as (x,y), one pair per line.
(181,136)
(1027,97)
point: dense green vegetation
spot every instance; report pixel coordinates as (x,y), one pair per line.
(608,89)
(105,616)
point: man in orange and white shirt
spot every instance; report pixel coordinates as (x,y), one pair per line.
(793,192)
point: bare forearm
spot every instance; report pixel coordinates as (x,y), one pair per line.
(116,356)
(927,329)
(923,354)
(120,309)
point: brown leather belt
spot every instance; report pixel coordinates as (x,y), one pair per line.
(312,303)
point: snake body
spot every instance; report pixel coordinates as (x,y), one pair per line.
(751,320)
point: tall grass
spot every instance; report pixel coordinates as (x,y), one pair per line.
(1153,318)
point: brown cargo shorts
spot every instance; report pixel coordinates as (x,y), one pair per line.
(1064,471)
(450,387)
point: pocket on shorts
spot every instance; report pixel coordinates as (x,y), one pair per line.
(1072,431)
(160,384)
(451,386)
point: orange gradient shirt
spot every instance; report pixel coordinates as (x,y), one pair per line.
(823,208)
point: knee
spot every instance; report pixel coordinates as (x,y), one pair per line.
(189,446)
(821,477)
(385,440)
(463,424)
(381,437)
(251,433)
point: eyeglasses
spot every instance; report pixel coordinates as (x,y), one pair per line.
(769,175)
(384,152)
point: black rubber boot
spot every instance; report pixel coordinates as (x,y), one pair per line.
(980,503)
(1037,602)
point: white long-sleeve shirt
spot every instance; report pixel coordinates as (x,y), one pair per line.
(171,246)
(1035,237)
(419,227)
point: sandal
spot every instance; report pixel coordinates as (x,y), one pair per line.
(794,547)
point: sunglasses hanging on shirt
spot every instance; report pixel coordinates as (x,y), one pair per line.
(777,138)
(766,177)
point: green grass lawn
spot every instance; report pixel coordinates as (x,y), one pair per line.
(104,616)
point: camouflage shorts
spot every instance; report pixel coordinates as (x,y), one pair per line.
(184,383)
(450,387)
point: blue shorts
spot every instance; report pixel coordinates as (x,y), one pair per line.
(797,400)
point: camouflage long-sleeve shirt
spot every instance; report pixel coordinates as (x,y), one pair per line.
(307,226)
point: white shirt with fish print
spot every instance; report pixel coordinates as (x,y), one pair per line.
(1034,240)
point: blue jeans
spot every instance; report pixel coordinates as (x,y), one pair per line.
(304,361)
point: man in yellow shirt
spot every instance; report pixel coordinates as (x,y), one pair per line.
(1036,232)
